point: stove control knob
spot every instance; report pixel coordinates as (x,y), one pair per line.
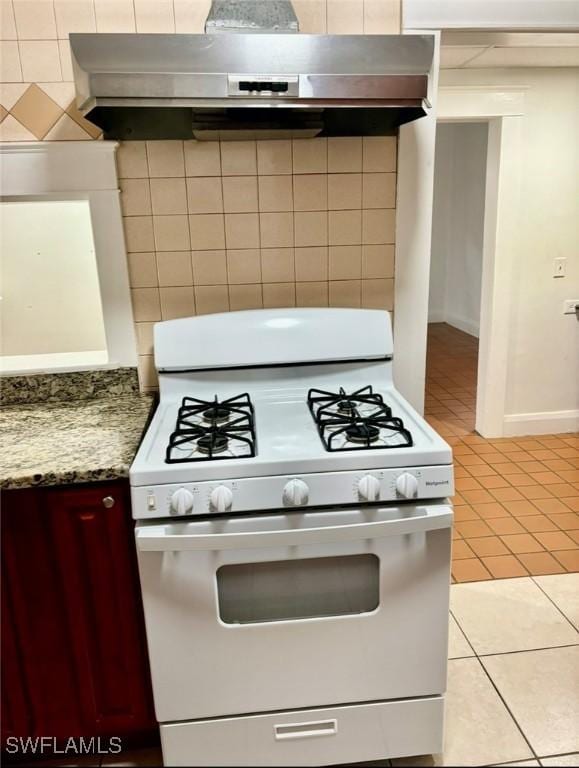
(369,488)
(182,501)
(221,499)
(296,493)
(407,485)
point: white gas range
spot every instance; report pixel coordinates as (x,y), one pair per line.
(293,540)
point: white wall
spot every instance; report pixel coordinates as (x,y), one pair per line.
(457,225)
(543,352)
(51,300)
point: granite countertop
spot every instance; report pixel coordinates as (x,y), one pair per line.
(57,442)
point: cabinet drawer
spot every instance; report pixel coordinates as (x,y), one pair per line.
(345,734)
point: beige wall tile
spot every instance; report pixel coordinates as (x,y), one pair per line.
(345,262)
(344,293)
(115,15)
(209,267)
(211,298)
(275,193)
(379,154)
(344,191)
(276,230)
(279,295)
(245,297)
(312,294)
(277,265)
(142,270)
(148,378)
(132,160)
(345,17)
(10,69)
(154,16)
(63,95)
(3,113)
(274,157)
(238,158)
(144,333)
(345,154)
(174,268)
(240,194)
(345,227)
(377,261)
(378,226)
(382,17)
(202,158)
(7,21)
(40,60)
(36,111)
(204,194)
(11,92)
(311,264)
(207,231)
(310,155)
(135,197)
(35,19)
(190,15)
(311,192)
(66,129)
(242,230)
(139,233)
(379,190)
(311,16)
(243,266)
(65,56)
(378,293)
(74,16)
(168,196)
(177,302)
(146,304)
(12,130)
(165,158)
(311,228)
(171,233)
(73,112)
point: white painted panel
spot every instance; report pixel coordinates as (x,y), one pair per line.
(490,14)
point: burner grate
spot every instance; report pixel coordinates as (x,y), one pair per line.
(355,421)
(213,429)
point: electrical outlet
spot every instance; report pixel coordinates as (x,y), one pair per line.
(571,307)
(560,267)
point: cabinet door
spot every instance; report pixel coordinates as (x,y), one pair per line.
(74,659)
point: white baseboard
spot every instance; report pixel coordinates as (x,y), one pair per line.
(545,423)
(436,316)
(463,324)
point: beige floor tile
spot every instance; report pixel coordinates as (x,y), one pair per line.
(458,645)
(478,727)
(540,689)
(563,760)
(510,615)
(563,589)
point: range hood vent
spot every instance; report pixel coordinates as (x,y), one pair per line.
(237,86)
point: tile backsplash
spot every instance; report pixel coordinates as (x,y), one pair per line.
(212,226)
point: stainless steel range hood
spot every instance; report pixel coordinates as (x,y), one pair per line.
(233,86)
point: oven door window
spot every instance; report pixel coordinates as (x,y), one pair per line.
(298,589)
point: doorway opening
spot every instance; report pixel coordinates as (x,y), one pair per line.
(456,270)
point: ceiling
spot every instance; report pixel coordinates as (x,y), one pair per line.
(478,50)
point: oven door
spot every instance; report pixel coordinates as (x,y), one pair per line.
(281,611)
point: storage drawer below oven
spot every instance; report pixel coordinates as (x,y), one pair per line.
(344,734)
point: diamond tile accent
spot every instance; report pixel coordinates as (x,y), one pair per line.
(36,111)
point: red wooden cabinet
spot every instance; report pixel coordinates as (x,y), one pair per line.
(74,659)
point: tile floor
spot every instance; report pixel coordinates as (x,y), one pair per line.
(513,677)
(517,499)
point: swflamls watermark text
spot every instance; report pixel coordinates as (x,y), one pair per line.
(74,745)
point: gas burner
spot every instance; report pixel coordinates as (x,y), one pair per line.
(213,442)
(214,429)
(362,433)
(355,421)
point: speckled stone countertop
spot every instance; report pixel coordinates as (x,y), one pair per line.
(57,442)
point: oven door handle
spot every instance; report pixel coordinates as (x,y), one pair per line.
(162,538)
